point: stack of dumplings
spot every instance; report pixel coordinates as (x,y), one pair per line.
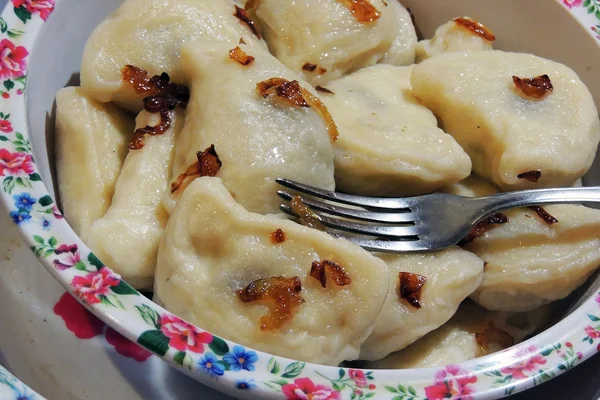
(189,110)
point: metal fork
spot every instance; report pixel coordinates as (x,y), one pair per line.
(421,223)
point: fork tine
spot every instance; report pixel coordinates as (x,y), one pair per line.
(391,246)
(389,203)
(376,230)
(395,217)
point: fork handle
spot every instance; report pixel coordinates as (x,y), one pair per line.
(520,198)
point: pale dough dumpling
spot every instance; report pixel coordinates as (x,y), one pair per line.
(322,39)
(530,263)
(456,341)
(460,34)
(257,139)
(389,144)
(148,34)
(91,145)
(402,51)
(452,275)
(126,239)
(513,141)
(213,248)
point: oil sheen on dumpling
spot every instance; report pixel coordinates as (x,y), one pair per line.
(456,341)
(460,34)
(402,51)
(389,144)
(452,275)
(513,141)
(127,237)
(257,139)
(91,145)
(148,34)
(529,262)
(323,39)
(213,247)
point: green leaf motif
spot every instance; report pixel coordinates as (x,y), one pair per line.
(179,357)
(3,139)
(18,135)
(341,373)
(154,341)
(39,239)
(337,387)
(401,389)
(8,84)
(547,352)
(391,389)
(13,33)
(218,346)
(45,201)
(52,241)
(124,289)
(80,266)
(149,315)
(8,184)
(3,25)
(22,14)
(412,390)
(293,370)
(35,177)
(272,366)
(93,260)
(593,318)
(586,3)
(369,395)
(591,9)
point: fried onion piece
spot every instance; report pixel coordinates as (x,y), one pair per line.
(362,10)
(535,89)
(277,236)
(208,164)
(492,334)
(295,95)
(307,217)
(240,56)
(475,27)
(548,218)
(322,89)
(531,176)
(480,228)
(338,275)
(279,294)
(243,16)
(137,142)
(409,288)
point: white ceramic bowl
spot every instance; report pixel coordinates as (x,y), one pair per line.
(43,55)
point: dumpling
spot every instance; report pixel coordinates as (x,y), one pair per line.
(389,144)
(91,145)
(460,34)
(402,51)
(221,267)
(257,139)
(323,39)
(456,341)
(127,237)
(530,262)
(519,135)
(148,34)
(451,275)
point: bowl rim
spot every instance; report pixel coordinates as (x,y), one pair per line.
(211,359)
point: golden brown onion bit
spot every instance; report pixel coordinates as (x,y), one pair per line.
(531,176)
(548,218)
(240,56)
(480,228)
(279,294)
(535,89)
(243,16)
(208,164)
(493,334)
(475,27)
(409,288)
(305,214)
(320,269)
(277,236)
(363,11)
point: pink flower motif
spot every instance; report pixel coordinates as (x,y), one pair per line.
(12,60)
(43,7)
(126,347)
(183,336)
(579,355)
(305,389)
(569,344)
(56,212)
(358,377)
(15,164)
(452,382)
(5,126)
(95,284)
(530,360)
(77,319)
(572,3)
(68,257)
(598,299)
(591,332)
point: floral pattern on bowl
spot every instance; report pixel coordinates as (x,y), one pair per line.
(13,389)
(209,358)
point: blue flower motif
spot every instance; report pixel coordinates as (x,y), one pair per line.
(20,216)
(24,201)
(240,358)
(45,224)
(209,365)
(245,384)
